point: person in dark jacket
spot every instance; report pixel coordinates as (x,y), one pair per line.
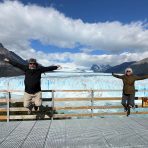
(32,94)
(128,97)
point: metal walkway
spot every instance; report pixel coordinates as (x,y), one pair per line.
(116,132)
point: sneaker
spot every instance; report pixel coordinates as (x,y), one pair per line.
(29,112)
(128,111)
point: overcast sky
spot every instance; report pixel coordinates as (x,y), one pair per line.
(76,33)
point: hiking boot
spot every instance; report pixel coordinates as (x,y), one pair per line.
(128,111)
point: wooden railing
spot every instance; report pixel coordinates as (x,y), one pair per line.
(18,112)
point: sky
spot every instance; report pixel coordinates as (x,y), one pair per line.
(76,33)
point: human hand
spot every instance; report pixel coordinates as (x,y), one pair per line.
(59,67)
(6,60)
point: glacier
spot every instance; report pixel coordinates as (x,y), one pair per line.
(75,81)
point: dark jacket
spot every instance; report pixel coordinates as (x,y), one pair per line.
(32,76)
(129,81)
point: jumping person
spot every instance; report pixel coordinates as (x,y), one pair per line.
(128,96)
(32,94)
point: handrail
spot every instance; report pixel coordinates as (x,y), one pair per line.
(54,99)
(89,90)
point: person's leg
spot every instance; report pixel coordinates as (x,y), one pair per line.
(130,103)
(124,101)
(132,100)
(28,102)
(38,100)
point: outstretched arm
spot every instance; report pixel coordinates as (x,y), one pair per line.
(141,77)
(50,68)
(117,76)
(16,64)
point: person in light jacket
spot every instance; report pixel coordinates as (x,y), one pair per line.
(128,96)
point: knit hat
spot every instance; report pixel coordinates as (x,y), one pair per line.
(32,61)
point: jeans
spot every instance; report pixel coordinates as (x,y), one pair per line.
(128,99)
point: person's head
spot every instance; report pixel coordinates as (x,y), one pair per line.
(32,63)
(128,71)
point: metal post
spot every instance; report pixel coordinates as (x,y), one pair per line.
(142,101)
(144,97)
(92,102)
(52,105)
(8,106)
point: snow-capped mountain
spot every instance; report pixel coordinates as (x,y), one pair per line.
(119,68)
(139,67)
(99,68)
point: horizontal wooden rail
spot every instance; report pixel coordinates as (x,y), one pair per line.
(11,91)
(21,100)
(19,109)
(3,109)
(3,100)
(94,99)
(6,91)
(87,107)
(90,107)
(3,117)
(70,99)
(101,90)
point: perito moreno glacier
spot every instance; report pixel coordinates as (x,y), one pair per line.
(75,81)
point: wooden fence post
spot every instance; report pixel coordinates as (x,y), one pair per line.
(8,106)
(92,102)
(52,104)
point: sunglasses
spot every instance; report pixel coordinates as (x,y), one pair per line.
(128,71)
(32,63)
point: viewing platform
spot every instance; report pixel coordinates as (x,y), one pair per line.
(82,125)
(114,132)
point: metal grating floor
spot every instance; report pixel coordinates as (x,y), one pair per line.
(116,132)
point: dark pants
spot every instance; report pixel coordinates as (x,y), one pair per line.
(128,99)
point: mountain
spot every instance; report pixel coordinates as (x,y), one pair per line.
(5,68)
(139,67)
(99,68)
(120,68)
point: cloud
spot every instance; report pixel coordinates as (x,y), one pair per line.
(19,24)
(111,59)
(85,59)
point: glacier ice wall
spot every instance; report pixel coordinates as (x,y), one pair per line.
(76,81)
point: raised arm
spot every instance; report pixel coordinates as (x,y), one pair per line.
(49,68)
(117,76)
(141,77)
(16,64)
